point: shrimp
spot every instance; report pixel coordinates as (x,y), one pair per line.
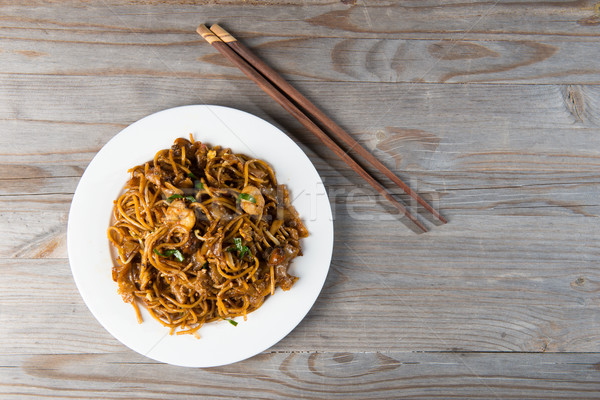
(178,213)
(253,207)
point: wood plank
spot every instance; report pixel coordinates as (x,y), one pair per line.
(460,193)
(320,59)
(34,233)
(520,284)
(34,226)
(541,42)
(331,375)
(575,18)
(39,203)
(436,123)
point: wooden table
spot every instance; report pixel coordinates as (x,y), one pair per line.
(489,108)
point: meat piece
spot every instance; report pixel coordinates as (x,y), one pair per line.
(215,247)
(183,182)
(282,278)
(270,193)
(215,276)
(199,261)
(178,213)
(201,156)
(231,159)
(217,211)
(129,247)
(202,283)
(262,289)
(259,173)
(153,176)
(192,245)
(292,220)
(122,275)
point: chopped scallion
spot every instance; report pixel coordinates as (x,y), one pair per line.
(247,197)
(171,252)
(178,196)
(241,249)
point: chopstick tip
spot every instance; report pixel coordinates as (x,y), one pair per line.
(206,33)
(222,34)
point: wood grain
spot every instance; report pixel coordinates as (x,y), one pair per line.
(518,285)
(464,42)
(335,375)
(325,18)
(353,59)
(491,110)
(491,165)
(388,112)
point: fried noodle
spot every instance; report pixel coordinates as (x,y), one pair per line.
(202,234)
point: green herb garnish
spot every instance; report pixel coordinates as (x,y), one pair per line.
(232,322)
(241,249)
(178,196)
(191,175)
(247,197)
(199,185)
(171,252)
(238,243)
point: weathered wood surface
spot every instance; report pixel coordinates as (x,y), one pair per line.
(343,375)
(536,292)
(492,109)
(424,41)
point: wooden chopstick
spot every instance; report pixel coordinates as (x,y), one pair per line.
(290,107)
(317,114)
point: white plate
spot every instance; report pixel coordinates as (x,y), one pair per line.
(90,256)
